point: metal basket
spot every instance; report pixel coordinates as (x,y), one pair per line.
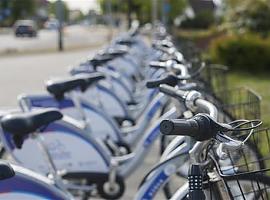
(215,77)
(238,103)
(245,175)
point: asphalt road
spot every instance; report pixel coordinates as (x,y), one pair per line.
(26,74)
(75,36)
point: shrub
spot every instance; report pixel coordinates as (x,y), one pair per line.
(202,20)
(244,52)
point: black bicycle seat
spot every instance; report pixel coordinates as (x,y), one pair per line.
(59,87)
(116,52)
(84,80)
(100,60)
(26,123)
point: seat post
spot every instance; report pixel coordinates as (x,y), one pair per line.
(76,99)
(48,157)
(24,104)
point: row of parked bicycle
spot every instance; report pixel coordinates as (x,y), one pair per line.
(93,129)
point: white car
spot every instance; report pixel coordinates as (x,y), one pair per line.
(52,24)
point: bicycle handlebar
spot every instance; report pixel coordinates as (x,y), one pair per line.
(158,65)
(171,91)
(201,126)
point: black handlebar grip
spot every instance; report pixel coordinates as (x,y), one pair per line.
(169,80)
(171,91)
(179,127)
(166,89)
(158,65)
(200,127)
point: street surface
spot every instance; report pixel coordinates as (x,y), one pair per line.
(75,36)
(27,73)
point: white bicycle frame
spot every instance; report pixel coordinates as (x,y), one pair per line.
(170,163)
(126,164)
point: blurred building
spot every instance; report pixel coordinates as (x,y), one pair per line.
(200,9)
(75,15)
(199,6)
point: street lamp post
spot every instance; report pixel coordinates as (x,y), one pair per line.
(165,9)
(129,13)
(154,11)
(60,17)
(109,19)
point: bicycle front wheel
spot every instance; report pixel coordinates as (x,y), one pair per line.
(249,186)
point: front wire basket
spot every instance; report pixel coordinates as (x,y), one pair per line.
(216,77)
(213,79)
(238,103)
(246,171)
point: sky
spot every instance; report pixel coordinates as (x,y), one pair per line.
(83,5)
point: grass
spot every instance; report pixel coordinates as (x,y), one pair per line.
(194,34)
(259,83)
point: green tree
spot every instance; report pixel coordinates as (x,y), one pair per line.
(53,7)
(251,15)
(19,9)
(143,8)
(177,7)
(22,9)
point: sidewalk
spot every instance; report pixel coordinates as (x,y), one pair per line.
(75,37)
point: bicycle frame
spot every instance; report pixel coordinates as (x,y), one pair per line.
(27,184)
(60,138)
(144,145)
(173,159)
(168,167)
(78,109)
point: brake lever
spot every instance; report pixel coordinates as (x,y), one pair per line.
(226,143)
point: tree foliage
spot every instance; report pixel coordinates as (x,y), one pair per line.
(53,10)
(18,9)
(22,9)
(252,15)
(143,8)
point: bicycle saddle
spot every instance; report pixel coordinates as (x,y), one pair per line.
(114,52)
(127,42)
(6,171)
(166,43)
(26,123)
(100,60)
(59,87)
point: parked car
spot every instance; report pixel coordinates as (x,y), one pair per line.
(25,28)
